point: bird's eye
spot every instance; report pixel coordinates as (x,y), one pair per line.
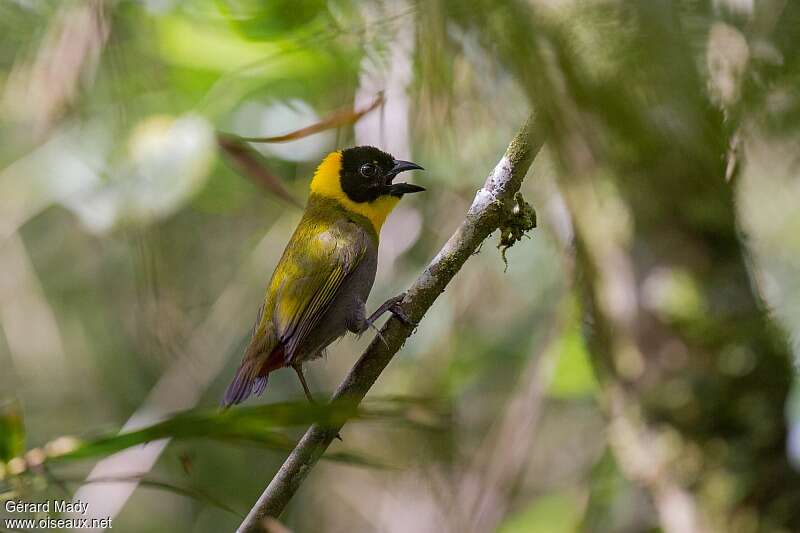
(368,170)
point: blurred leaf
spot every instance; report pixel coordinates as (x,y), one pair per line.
(12,431)
(249,162)
(607,488)
(256,424)
(422,413)
(555,512)
(675,295)
(167,160)
(215,47)
(340,117)
(189,492)
(42,90)
(259,19)
(252,425)
(574,375)
(358,459)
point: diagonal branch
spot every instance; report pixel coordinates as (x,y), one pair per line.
(489,211)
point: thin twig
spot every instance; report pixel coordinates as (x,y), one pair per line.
(340,117)
(488,212)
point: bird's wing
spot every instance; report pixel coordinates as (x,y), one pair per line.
(308,278)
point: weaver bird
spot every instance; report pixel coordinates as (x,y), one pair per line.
(320,287)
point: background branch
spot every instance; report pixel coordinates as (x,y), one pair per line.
(489,211)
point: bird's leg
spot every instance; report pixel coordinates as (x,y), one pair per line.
(393,306)
(299,370)
(358,323)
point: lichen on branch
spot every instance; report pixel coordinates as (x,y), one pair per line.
(520,220)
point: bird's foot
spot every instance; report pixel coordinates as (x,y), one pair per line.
(399,312)
(378,333)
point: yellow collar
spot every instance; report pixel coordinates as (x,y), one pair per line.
(326,183)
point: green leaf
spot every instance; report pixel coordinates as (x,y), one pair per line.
(555,512)
(260,20)
(573,376)
(186,43)
(12,431)
(258,425)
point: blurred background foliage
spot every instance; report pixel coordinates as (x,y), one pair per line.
(632,370)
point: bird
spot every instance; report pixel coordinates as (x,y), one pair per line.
(320,286)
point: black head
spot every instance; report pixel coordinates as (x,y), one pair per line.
(368,173)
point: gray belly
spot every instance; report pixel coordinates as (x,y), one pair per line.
(346,305)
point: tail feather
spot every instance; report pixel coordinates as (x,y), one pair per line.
(251,377)
(259,384)
(244,383)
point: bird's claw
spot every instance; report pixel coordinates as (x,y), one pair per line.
(378,333)
(401,315)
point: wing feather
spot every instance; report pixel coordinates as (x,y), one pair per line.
(310,277)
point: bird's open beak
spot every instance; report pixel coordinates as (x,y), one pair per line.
(399,189)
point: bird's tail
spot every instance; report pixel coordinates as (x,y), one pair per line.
(247,381)
(251,377)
